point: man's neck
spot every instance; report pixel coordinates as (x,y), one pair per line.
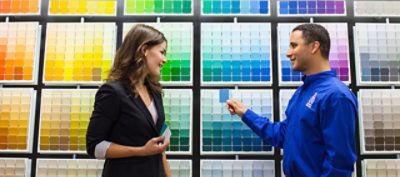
(318,67)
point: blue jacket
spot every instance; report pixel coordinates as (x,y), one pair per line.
(318,135)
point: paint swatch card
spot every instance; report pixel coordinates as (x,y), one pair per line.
(166,132)
(223,95)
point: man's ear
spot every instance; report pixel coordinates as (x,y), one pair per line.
(315,47)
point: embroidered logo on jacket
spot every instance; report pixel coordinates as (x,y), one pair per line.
(311,100)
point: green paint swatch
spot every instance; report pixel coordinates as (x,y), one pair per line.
(177,116)
(158,6)
(177,69)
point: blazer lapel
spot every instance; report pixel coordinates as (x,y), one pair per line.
(160,111)
(143,108)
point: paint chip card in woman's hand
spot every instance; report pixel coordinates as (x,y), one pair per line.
(166,132)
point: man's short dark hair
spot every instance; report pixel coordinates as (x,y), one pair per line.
(315,32)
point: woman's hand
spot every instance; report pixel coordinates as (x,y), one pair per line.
(154,146)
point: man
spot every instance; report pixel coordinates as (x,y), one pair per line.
(318,134)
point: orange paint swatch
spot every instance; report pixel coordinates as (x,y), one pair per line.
(19,7)
(18,46)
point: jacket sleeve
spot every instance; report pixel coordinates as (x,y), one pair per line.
(272,133)
(338,129)
(105,113)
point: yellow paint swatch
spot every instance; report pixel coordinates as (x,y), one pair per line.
(15,119)
(78,53)
(83,7)
(64,119)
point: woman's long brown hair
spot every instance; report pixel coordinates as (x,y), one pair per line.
(130,64)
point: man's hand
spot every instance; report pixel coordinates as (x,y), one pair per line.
(236,107)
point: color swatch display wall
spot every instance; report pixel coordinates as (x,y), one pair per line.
(54,55)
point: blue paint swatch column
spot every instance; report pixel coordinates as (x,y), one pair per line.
(311,7)
(236,7)
(338,55)
(236,53)
(377,53)
(243,168)
(226,134)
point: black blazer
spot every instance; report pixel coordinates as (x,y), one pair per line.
(122,118)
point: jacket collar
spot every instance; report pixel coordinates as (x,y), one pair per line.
(308,79)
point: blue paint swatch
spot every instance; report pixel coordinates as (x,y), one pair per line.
(236,53)
(311,7)
(223,95)
(235,7)
(223,133)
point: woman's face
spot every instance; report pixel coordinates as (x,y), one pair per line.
(155,57)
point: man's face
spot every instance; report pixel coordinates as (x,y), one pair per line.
(299,52)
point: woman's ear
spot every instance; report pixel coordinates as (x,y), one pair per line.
(144,50)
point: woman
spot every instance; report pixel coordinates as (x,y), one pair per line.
(128,112)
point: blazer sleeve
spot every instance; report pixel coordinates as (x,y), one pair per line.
(105,113)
